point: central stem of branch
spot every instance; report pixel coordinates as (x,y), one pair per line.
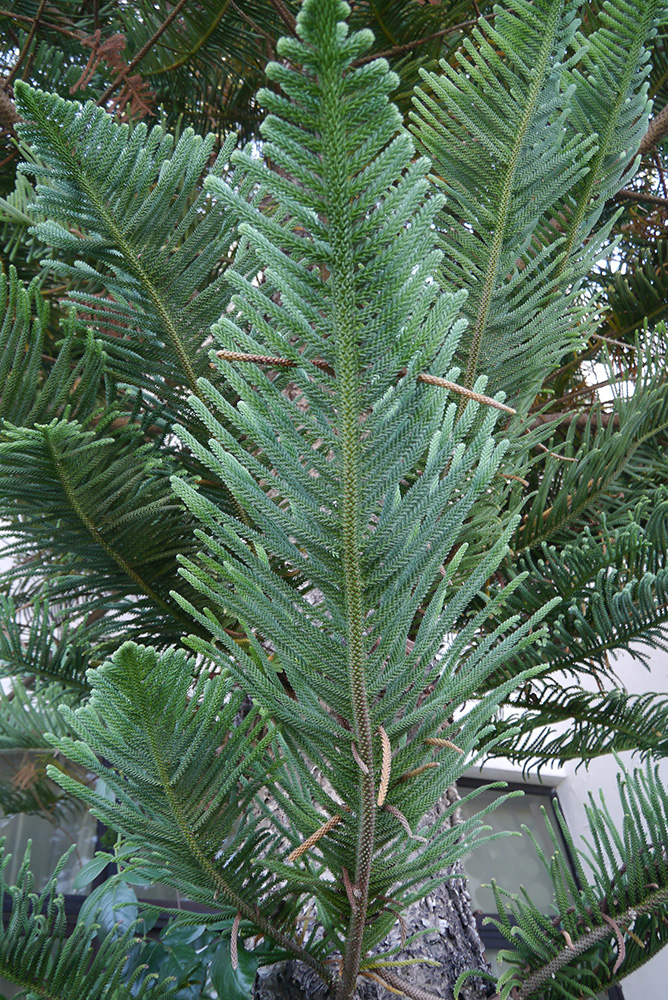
(346,317)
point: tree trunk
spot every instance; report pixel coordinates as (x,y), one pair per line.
(452,940)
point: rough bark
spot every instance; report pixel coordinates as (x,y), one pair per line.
(656,132)
(9,116)
(451,939)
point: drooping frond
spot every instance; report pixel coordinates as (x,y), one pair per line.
(183,777)
(29,392)
(26,714)
(86,504)
(17,216)
(94,513)
(609,592)
(528,148)
(554,723)
(126,211)
(41,955)
(616,453)
(42,645)
(610,923)
(637,293)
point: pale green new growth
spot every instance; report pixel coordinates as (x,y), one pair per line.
(332,515)
(323,462)
(530,136)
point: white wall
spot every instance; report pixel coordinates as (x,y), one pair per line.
(651,981)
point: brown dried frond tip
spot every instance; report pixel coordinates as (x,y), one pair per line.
(234,943)
(385,767)
(418,770)
(321,832)
(435,741)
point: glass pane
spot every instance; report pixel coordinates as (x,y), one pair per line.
(511,861)
(50,840)
(49,843)
(159,893)
(8,989)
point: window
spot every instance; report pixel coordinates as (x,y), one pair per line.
(23,778)
(513,862)
(50,841)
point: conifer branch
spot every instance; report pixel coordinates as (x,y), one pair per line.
(243,906)
(656,132)
(533,983)
(47,25)
(461,390)
(542,67)
(26,46)
(363,484)
(609,128)
(286,17)
(143,585)
(396,984)
(649,199)
(399,50)
(202,39)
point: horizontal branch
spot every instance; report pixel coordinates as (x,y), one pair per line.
(398,985)
(581,419)
(547,972)
(47,25)
(398,50)
(656,131)
(286,17)
(651,199)
(268,359)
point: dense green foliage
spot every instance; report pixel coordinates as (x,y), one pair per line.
(303,410)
